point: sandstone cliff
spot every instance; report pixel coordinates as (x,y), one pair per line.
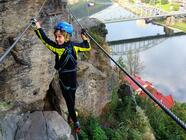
(28,82)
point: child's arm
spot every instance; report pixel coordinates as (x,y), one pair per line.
(51,45)
(83,46)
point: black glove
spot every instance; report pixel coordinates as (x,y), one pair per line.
(83,31)
(33,22)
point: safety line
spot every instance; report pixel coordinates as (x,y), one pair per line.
(13,45)
(163,107)
(40,9)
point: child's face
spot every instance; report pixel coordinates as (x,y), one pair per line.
(59,38)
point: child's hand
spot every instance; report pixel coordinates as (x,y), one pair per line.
(83,35)
(38,25)
(35,24)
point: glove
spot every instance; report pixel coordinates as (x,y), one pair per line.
(33,23)
(83,31)
(84,34)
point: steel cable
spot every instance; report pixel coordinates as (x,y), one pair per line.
(20,36)
(163,107)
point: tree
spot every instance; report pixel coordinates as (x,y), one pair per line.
(145,1)
(164,2)
(134,65)
(122,63)
(153,2)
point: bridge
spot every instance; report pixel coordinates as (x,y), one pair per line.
(135,45)
(117,13)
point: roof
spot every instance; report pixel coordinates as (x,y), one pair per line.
(166,100)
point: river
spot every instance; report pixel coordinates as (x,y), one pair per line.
(164,64)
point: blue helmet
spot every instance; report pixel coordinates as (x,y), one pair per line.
(65,27)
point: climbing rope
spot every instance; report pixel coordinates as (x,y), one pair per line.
(21,35)
(163,107)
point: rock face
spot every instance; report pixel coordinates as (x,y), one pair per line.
(43,126)
(93,93)
(34,126)
(95,89)
(27,76)
(28,70)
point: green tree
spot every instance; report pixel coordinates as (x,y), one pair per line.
(164,2)
(132,64)
(121,62)
(145,1)
(154,2)
(164,127)
(92,130)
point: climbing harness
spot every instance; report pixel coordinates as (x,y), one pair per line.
(68,52)
(69,57)
(66,87)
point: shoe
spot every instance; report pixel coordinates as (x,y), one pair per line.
(77,127)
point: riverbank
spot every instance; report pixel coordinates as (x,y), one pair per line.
(146,9)
(177,26)
(181,26)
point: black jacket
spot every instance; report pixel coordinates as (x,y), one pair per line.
(66,54)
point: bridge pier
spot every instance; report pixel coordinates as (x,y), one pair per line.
(170,21)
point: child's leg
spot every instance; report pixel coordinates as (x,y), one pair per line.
(71,105)
(69,96)
(68,86)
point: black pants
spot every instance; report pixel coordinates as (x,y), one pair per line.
(68,85)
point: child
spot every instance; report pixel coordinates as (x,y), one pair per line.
(66,53)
